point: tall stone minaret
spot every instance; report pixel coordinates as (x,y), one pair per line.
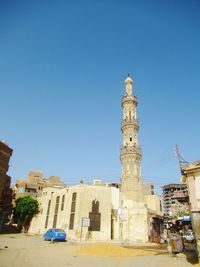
(130,154)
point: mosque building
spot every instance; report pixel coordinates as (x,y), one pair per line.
(102,211)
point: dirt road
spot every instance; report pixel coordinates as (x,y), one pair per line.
(19,250)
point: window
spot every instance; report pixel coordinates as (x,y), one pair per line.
(63,202)
(56,212)
(95,217)
(72,215)
(59,230)
(74,197)
(47,217)
(71,222)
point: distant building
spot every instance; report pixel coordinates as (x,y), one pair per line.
(175,199)
(5,190)
(148,189)
(35,183)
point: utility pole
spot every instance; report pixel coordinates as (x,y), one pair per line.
(180,159)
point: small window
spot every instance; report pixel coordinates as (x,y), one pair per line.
(72,215)
(74,197)
(63,202)
(73,206)
(56,211)
(47,216)
(129,115)
(71,223)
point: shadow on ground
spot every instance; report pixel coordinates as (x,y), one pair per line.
(10,229)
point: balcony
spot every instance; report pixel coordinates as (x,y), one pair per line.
(130,150)
(132,121)
(129,98)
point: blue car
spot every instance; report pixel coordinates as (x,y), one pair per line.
(55,234)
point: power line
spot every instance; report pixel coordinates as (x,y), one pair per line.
(165,157)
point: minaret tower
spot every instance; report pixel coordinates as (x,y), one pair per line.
(130,154)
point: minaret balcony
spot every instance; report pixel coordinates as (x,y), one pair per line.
(131,121)
(130,150)
(128,98)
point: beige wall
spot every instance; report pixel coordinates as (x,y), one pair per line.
(153,202)
(193,182)
(38,222)
(191,173)
(197,186)
(134,224)
(115,203)
(85,195)
(134,228)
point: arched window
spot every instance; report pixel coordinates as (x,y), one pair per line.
(95,217)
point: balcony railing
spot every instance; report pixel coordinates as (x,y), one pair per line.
(130,149)
(133,121)
(180,195)
(129,98)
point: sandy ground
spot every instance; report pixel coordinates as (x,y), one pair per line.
(32,251)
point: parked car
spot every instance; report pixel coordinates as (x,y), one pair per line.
(188,236)
(55,234)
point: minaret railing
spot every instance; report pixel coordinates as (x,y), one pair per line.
(130,150)
(129,98)
(131,121)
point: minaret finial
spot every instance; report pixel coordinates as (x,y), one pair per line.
(129,85)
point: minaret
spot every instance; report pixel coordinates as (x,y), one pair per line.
(130,154)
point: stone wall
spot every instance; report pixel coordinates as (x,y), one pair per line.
(85,195)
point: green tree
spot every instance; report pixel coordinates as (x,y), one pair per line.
(24,210)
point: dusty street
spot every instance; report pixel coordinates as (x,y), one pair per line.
(19,250)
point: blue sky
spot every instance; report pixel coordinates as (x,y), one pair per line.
(62,71)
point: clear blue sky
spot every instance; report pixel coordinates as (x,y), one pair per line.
(62,70)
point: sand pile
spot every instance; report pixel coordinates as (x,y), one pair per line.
(113,250)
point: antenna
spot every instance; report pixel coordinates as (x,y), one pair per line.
(181,160)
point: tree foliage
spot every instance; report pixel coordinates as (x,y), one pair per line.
(24,210)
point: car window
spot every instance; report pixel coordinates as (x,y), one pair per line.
(59,230)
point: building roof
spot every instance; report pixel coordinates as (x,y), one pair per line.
(191,166)
(5,148)
(168,186)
